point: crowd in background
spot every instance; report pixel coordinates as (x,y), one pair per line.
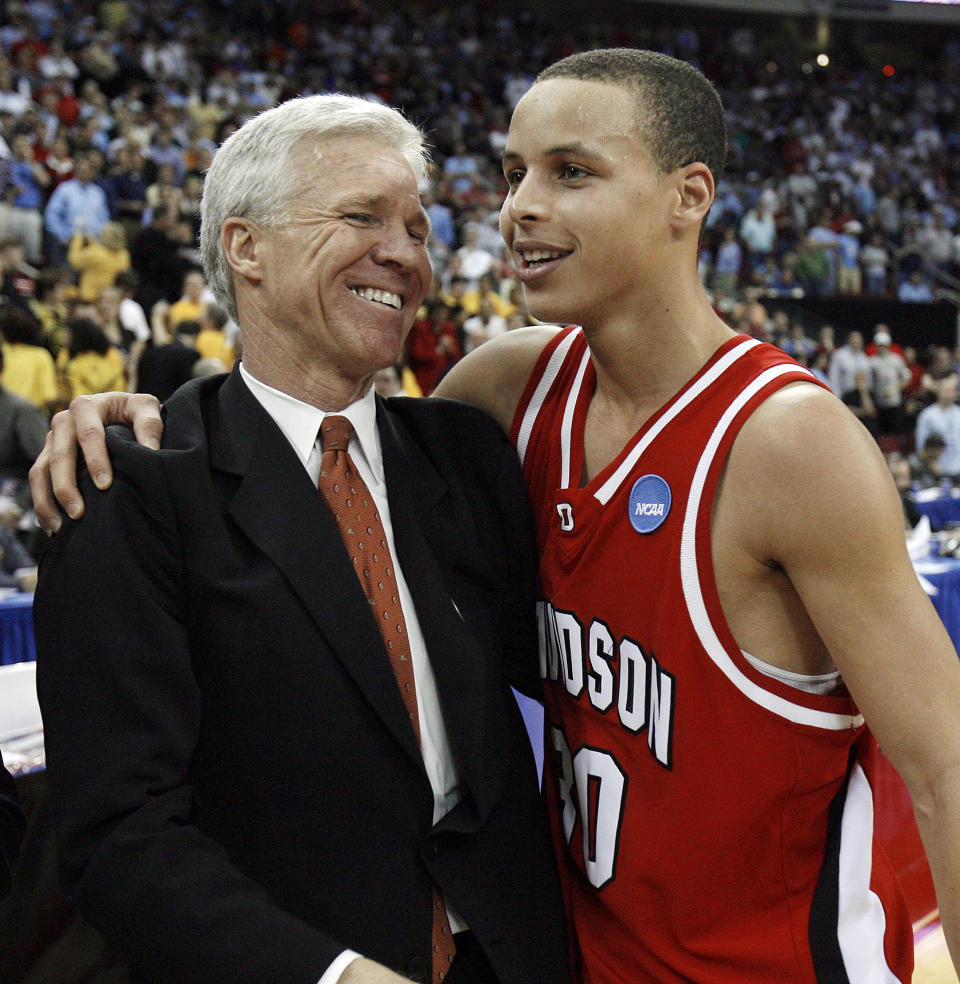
(842,179)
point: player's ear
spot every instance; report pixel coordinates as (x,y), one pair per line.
(239,240)
(695,193)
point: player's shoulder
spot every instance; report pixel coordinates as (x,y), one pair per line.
(494,375)
(803,437)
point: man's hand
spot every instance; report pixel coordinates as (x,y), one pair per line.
(53,477)
(363,971)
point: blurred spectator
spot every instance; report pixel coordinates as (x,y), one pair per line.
(860,400)
(212,341)
(472,298)
(155,255)
(193,301)
(18,284)
(819,364)
(758,232)
(28,367)
(936,241)
(943,418)
(940,366)
(461,168)
(432,345)
(56,63)
(49,307)
(21,210)
(165,368)
(817,263)
(441,219)
(130,181)
(925,461)
(167,155)
(875,260)
(482,326)
(18,569)
(133,319)
(889,376)
(23,430)
(915,289)
(90,364)
(98,260)
(387,382)
(77,205)
(849,275)
(846,363)
(727,262)
(128,342)
(913,397)
(902,476)
(163,191)
(475,262)
(797,342)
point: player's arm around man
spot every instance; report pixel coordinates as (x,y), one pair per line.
(508,358)
(823,509)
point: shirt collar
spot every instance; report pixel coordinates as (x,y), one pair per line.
(300,422)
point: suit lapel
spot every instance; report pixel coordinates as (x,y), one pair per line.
(281,512)
(419,501)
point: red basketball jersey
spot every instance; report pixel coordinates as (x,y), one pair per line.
(714,825)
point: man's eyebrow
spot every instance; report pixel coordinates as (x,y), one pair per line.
(365,201)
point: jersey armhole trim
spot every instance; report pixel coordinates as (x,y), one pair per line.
(544,373)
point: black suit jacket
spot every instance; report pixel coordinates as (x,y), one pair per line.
(238,791)
(11,828)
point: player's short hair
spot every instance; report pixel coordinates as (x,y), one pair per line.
(251,175)
(679,113)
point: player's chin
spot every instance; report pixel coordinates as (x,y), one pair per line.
(549,307)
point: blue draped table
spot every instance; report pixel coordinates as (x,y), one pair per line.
(940,577)
(938,508)
(16,629)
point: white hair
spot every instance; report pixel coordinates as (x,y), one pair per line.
(251,176)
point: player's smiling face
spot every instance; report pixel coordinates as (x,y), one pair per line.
(586,214)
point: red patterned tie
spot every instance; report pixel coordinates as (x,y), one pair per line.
(356,514)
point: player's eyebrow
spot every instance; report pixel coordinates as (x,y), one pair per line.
(575,149)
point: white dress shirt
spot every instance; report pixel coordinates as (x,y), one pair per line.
(300,423)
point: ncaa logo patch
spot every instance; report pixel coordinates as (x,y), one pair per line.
(650,500)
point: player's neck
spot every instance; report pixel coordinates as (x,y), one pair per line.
(641,365)
(638,371)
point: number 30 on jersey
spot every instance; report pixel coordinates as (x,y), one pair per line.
(592,785)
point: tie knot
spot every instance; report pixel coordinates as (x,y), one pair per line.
(335,433)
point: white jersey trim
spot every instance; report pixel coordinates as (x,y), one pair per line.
(566,427)
(693,593)
(609,488)
(861,921)
(552,368)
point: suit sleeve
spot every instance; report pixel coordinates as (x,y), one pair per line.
(122,710)
(11,828)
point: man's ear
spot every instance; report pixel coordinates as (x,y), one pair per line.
(695,194)
(240,241)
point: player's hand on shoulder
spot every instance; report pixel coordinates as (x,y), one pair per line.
(53,477)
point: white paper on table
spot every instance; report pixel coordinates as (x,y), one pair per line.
(19,709)
(918,539)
